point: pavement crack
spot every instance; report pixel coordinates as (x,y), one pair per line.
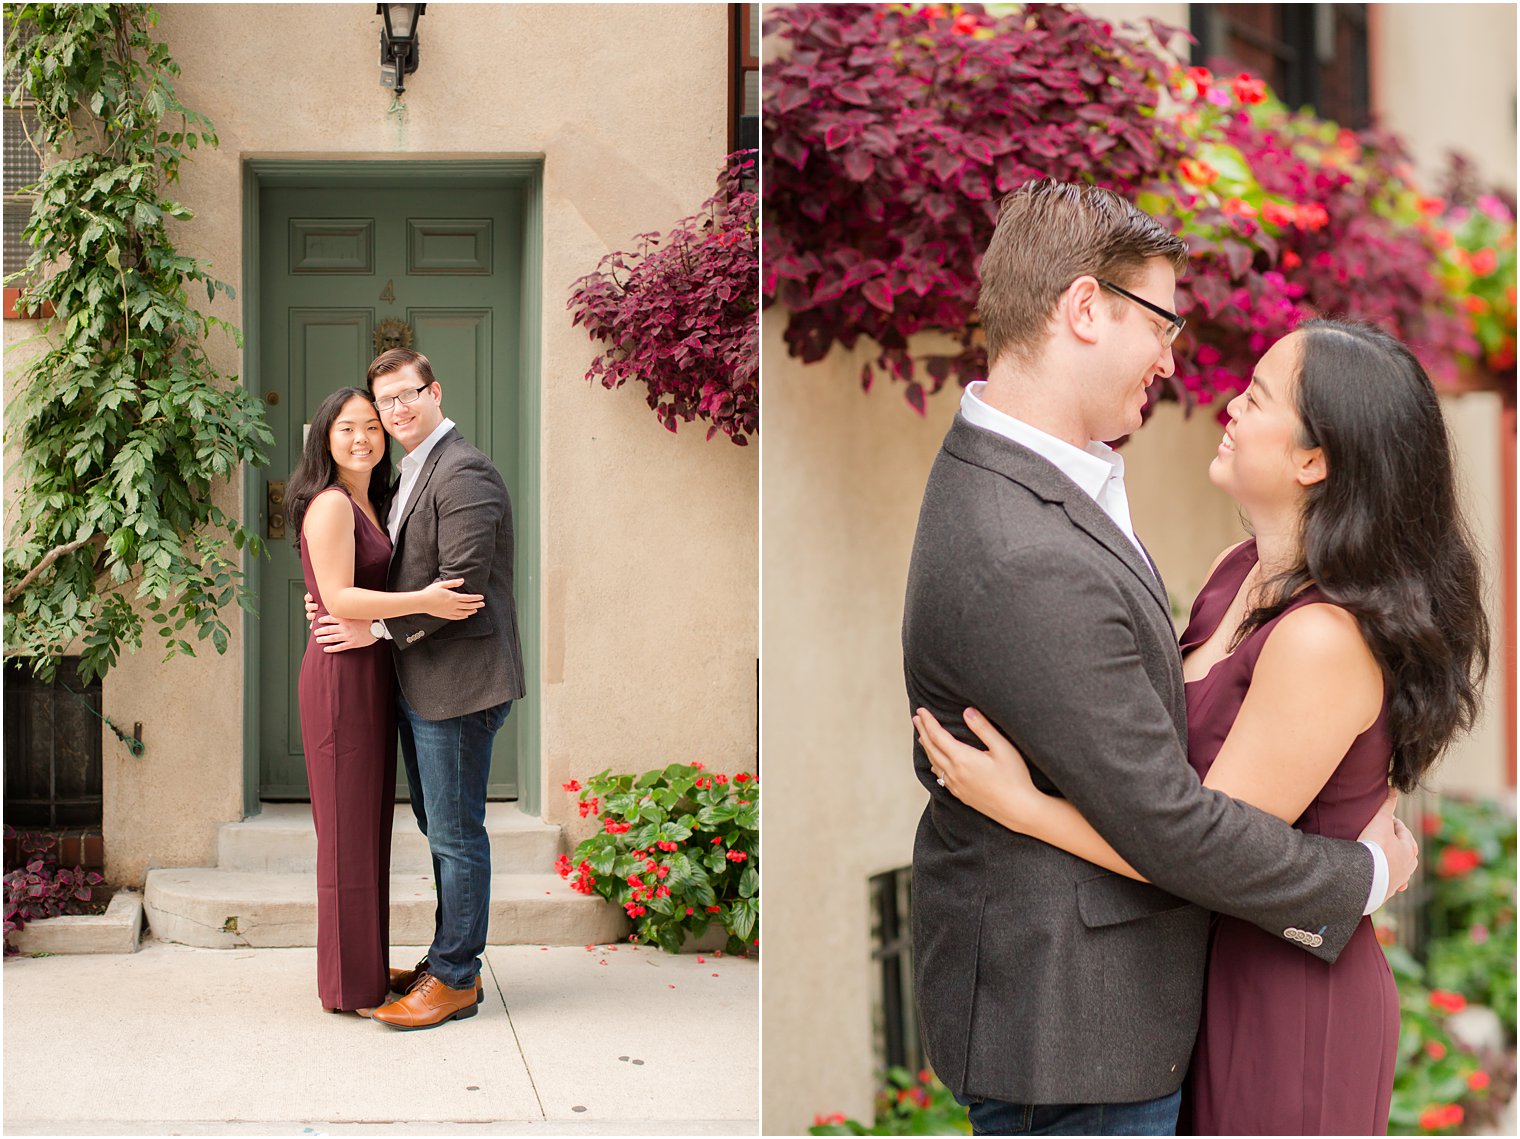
(528,1068)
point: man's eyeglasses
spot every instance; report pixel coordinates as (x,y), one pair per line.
(406,397)
(1175,323)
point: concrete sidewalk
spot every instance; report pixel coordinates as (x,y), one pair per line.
(175,1040)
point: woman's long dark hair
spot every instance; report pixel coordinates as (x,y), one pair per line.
(316,471)
(1383,536)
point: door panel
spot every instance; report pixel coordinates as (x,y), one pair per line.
(334,265)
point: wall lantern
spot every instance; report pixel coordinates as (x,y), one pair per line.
(398,43)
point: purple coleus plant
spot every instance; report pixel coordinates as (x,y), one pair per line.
(892,134)
(681,314)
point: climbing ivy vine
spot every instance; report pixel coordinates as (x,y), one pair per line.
(122,427)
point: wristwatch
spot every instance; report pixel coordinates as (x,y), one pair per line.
(377,630)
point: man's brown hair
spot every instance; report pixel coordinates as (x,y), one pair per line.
(1048,234)
(393,360)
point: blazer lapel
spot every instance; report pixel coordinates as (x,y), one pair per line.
(1005,457)
(423,478)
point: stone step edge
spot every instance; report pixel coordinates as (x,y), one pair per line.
(191,906)
(118,930)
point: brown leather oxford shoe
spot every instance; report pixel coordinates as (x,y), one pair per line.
(402,980)
(431,1003)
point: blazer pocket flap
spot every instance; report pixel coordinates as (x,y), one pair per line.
(1112,899)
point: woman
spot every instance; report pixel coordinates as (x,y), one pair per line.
(1340,649)
(337,497)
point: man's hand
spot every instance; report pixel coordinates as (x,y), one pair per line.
(339,634)
(1397,841)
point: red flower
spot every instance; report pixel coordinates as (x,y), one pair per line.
(743,777)
(1478,1081)
(717,840)
(635,880)
(1447,1001)
(651,864)
(1431,207)
(1435,1049)
(662,892)
(667,847)
(924,1075)
(1458,860)
(714,909)
(1291,260)
(1430,823)
(1484,262)
(1248,89)
(690,910)
(828,1120)
(573,785)
(963,25)
(661,871)
(1239,207)
(699,765)
(562,864)
(736,856)
(1441,1118)
(590,807)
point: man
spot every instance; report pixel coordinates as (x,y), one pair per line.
(456,680)
(1040,979)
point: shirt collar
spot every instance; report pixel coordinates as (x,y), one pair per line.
(416,457)
(1090,469)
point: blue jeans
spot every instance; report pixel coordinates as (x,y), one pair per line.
(1148,1117)
(448,763)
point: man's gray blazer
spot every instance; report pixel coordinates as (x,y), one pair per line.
(1039,977)
(457,523)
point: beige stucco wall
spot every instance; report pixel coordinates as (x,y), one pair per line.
(1444,79)
(649,541)
(843,475)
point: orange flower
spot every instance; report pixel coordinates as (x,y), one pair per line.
(1312,216)
(1478,307)
(1239,208)
(1484,262)
(1199,172)
(1274,214)
(1431,207)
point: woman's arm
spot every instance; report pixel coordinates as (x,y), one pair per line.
(328,532)
(1315,688)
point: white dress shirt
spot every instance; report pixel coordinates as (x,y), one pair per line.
(1099,471)
(411,467)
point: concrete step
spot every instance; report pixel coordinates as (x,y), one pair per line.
(283,839)
(231,909)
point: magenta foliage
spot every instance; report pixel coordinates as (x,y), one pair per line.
(1364,262)
(680,315)
(39,888)
(892,135)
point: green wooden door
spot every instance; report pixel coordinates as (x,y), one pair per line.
(335,265)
